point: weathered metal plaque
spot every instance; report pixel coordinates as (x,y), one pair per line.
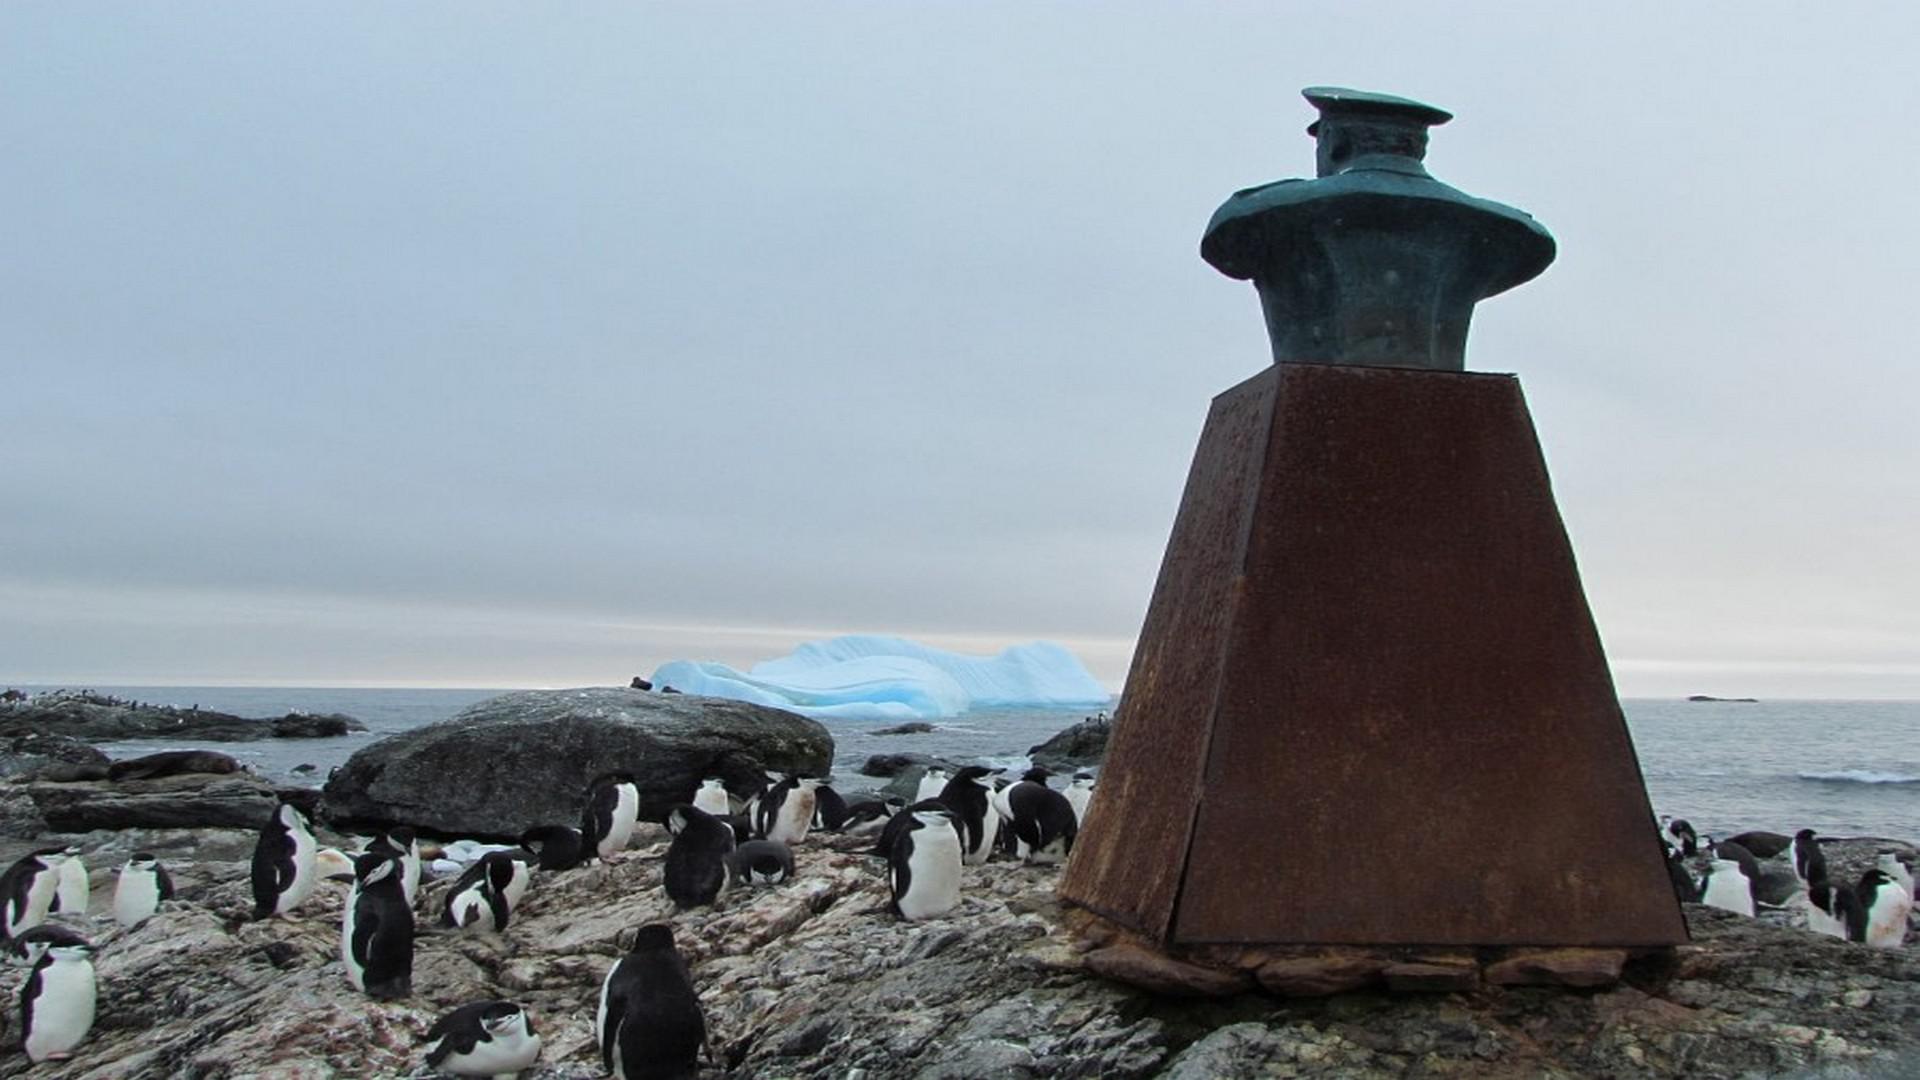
(1369,704)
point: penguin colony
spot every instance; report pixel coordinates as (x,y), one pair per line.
(648,1022)
(1872,911)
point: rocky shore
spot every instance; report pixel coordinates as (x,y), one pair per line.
(813,979)
(91,717)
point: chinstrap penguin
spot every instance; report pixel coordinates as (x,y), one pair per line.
(75,891)
(27,890)
(57,1001)
(829,808)
(481,900)
(613,808)
(696,863)
(376,929)
(1809,862)
(787,811)
(712,797)
(556,847)
(284,872)
(143,885)
(1881,919)
(1041,819)
(486,1038)
(924,865)
(1079,793)
(761,862)
(1727,887)
(649,1024)
(932,783)
(400,842)
(34,942)
(969,796)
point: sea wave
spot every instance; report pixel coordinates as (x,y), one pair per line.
(1860,776)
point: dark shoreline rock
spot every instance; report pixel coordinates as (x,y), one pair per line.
(101,718)
(1083,744)
(518,760)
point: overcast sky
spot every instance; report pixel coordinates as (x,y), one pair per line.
(536,345)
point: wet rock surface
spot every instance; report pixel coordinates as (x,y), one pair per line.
(23,754)
(1083,744)
(100,718)
(518,760)
(813,979)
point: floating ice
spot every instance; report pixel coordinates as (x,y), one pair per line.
(886,678)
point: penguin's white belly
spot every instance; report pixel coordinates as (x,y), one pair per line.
(928,789)
(517,1050)
(471,911)
(933,885)
(626,811)
(63,1013)
(1822,923)
(356,973)
(1887,920)
(135,898)
(796,815)
(517,885)
(600,1017)
(410,874)
(1729,891)
(712,801)
(40,893)
(75,891)
(1078,798)
(306,873)
(989,831)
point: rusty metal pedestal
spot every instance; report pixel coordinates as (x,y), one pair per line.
(1369,706)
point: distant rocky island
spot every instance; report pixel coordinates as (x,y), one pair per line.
(1736,700)
(94,717)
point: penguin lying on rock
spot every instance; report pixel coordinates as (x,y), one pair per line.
(486,1038)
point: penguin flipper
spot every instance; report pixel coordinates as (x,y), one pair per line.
(616,1011)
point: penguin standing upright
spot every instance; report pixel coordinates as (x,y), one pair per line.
(969,796)
(376,929)
(649,1024)
(1889,864)
(789,814)
(486,1038)
(142,886)
(1679,833)
(75,892)
(900,822)
(400,842)
(1041,820)
(1079,794)
(556,847)
(696,868)
(479,901)
(829,808)
(1883,910)
(932,783)
(613,808)
(27,890)
(284,873)
(1809,862)
(1685,888)
(57,1001)
(712,797)
(924,865)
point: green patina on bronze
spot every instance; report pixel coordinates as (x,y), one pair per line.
(1374,262)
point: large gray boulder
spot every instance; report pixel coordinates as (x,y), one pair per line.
(524,759)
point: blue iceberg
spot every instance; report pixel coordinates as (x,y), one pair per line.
(870,677)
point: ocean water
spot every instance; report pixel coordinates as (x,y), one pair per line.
(1845,768)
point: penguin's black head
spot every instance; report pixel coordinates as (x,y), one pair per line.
(653,937)
(501,1016)
(973,772)
(894,803)
(402,837)
(374,866)
(678,817)
(499,870)
(606,778)
(1873,879)
(1805,835)
(1037,774)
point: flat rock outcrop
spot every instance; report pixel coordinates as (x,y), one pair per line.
(812,979)
(524,759)
(181,801)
